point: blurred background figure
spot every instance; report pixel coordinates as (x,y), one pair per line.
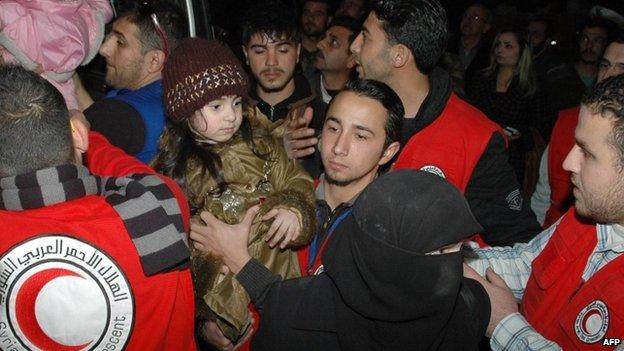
(508,92)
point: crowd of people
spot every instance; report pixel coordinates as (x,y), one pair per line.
(356,179)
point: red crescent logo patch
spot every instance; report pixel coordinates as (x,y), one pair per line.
(61,293)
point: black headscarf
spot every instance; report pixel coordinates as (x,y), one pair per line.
(391,295)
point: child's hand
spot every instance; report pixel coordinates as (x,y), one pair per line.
(285,227)
(39,69)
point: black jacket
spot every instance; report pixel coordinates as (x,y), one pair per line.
(493,191)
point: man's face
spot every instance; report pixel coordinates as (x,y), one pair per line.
(537,33)
(474,22)
(353,137)
(314,18)
(596,175)
(272,61)
(333,54)
(125,65)
(612,62)
(372,51)
(592,44)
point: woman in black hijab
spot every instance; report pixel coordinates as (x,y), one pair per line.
(382,288)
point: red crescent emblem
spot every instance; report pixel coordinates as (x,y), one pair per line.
(25,309)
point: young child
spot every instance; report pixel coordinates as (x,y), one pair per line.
(225,168)
(53,37)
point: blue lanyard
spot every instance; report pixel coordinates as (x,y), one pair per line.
(315,245)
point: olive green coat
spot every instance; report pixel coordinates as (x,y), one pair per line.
(276,181)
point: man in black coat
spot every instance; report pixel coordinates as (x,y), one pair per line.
(393,275)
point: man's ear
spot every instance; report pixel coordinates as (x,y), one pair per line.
(155,61)
(80,135)
(400,55)
(389,153)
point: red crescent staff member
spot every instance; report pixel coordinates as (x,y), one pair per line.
(90,257)
(442,133)
(570,277)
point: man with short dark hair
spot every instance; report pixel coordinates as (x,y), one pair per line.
(541,39)
(567,82)
(569,278)
(93,257)
(442,133)
(333,61)
(271,44)
(315,16)
(132,116)
(553,193)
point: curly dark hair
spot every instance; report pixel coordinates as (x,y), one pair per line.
(271,18)
(607,99)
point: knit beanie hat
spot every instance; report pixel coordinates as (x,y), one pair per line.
(197,72)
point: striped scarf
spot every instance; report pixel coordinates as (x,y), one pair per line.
(146,205)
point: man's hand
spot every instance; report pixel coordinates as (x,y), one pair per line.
(225,240)
(211,333)
(284,229)
(299,139)
(501,298)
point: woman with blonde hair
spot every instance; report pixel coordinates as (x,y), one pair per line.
(508,92)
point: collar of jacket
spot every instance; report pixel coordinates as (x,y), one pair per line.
(440,89)
(302,95)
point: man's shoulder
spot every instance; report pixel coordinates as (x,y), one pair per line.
(466,114)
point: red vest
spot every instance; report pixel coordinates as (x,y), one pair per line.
(75,261)
(576,315)
(452,145)
(561,142)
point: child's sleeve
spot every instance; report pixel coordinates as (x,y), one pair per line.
(294,189)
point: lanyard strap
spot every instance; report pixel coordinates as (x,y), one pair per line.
(314,245)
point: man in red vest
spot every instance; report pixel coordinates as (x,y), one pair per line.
(442,133)
(90,258)
(553,194)
(569,279)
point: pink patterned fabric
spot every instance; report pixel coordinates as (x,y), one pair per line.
(59,35)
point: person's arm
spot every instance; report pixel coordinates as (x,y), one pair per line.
(293,189)
(507,329)
(82,95)
(540,200)
(104,159)
(514,333)
(496,200)
(230,242)
(119,122)
(512,263)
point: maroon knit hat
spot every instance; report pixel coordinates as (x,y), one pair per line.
(197,72)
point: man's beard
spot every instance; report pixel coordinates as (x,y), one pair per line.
(311,31)
(341,183)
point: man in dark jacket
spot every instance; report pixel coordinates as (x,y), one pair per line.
(393,275)
(271,44)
